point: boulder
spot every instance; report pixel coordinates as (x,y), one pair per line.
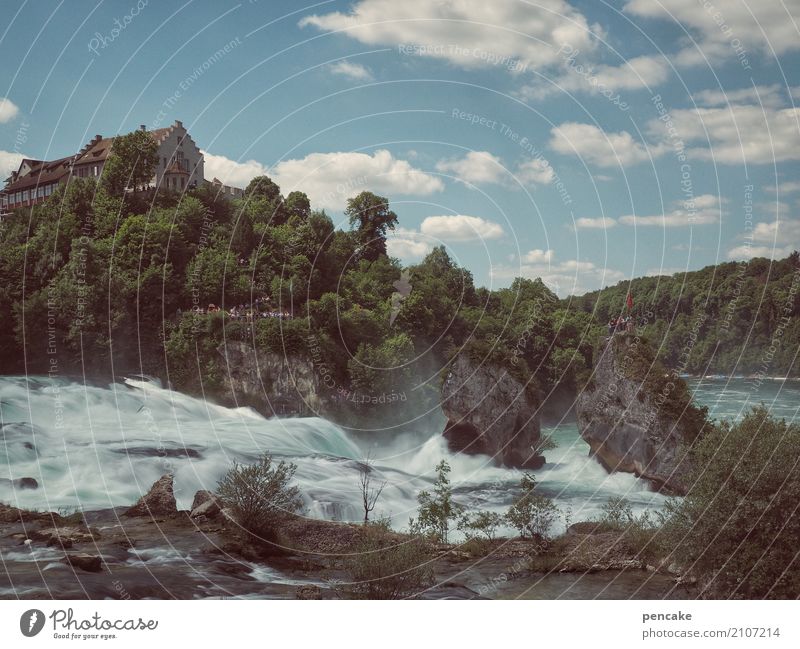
(20,483)
(205,503)
(64,537)
(84,561)
(158,502)
(9,514)
(627,422)
(491,413)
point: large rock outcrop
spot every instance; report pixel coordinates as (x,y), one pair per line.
(158,502)
(637,417)
(489,412)
(272,383)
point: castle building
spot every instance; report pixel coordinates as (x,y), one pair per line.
(180,167)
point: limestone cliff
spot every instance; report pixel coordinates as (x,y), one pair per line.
(272,383)
(489,412)
(637,417)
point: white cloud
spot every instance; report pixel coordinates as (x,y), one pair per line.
(9,161)
(482,167)
(353,71)
(475,168)
(702,210)
(407,244)
(788,187)
(598,147)
(737,134)
(459,227)
(771,96)
(538,256)
(8,110)
(579,73)
(784,230)
(464,32)
(535,170)
(599,223)
(567,277)
(748,252)
(330,179)
(230,171)
(763,26)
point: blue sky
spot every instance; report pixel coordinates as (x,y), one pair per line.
(585,143)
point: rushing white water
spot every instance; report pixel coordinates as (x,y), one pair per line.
(92,447)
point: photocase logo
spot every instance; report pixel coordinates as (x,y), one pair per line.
(31,622)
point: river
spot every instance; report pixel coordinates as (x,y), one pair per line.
(92,447)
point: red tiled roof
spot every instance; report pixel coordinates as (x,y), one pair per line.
(42,173)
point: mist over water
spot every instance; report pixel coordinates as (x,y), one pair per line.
(93,447)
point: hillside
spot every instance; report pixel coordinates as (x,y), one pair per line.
(735,318)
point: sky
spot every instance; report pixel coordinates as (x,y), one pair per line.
(585,143)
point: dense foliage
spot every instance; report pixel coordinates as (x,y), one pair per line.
(734,318)
(737,528)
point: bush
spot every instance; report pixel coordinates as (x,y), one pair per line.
(617,513)
(259,496)
(385,565)
(737,528)
(532,514)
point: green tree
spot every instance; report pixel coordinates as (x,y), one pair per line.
(263,187)
(437,510)
(532,514)
(131,164)
(371,216)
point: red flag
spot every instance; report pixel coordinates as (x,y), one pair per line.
(629,301)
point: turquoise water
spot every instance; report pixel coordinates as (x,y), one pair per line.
(731,399)
(91,447)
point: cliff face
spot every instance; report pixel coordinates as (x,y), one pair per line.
(489,412)
(272,383)
(629,425)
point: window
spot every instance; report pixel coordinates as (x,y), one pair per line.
(181,183)
(96,170)
(25,195)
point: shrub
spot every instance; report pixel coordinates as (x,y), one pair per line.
(617,513)
(737,528)
(259,495)
(483,524)
(640,534)
(532,514)
(385,565)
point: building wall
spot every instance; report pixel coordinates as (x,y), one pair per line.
(178,143)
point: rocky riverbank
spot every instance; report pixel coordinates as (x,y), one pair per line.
(152,550)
